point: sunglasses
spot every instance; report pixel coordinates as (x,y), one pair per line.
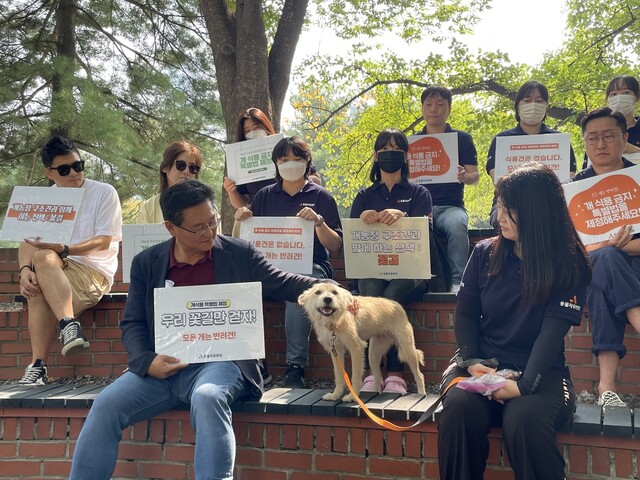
(64,170)
(181,165)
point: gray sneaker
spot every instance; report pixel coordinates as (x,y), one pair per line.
(35,374)
(611,399)
(72,338)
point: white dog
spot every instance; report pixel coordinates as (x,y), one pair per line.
(356,320)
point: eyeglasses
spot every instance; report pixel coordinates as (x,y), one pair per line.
(200,231)
(607,137)
(64,170)
(181,165)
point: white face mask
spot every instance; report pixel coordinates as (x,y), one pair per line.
(625,104)
(253,134)
(532,113)
(292,171)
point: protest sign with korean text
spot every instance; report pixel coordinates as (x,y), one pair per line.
(210,323)
(599,206)
(433,158)
(44,212)
(136,238)
(552,150)
(250,161)
(286,242)
(387,252)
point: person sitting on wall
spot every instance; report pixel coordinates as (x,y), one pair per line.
(61,281)
(449,215)
(613,296)
(155,383)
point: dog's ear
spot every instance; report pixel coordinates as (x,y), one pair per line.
(304,295)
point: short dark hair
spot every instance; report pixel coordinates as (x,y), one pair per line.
(383,139)
(56,145)
(177,198)
(258,117)
(605,112)
(552,254)
(624,81)
(171,153)
(295,145)
(436,91)
(527,89)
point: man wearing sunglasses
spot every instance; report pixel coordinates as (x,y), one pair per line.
(154,383)
(61,281)
(613,296)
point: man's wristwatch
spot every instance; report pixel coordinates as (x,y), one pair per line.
(65,252)
(320,222)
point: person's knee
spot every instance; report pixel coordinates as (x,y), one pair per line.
(45,259)
(211,397)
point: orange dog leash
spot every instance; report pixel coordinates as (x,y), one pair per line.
(381,421)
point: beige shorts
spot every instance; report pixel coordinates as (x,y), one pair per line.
(88,286)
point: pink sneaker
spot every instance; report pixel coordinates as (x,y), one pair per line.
(367,384)
(395,384)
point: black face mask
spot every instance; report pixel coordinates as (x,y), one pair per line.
(390,161)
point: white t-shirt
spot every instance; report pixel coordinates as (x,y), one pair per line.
(99,214)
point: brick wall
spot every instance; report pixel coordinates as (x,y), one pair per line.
(278,447)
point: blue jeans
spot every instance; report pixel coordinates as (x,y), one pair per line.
(297,327)
(454,222)
(209,388)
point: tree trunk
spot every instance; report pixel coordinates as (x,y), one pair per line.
(62,104)
(248,74)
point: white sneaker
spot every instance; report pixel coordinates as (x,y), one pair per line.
(611,399)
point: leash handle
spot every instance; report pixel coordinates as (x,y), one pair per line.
(381,421)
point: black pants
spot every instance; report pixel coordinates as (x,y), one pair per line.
(529,425)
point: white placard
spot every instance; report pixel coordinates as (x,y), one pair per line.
(286,242)
(553,150)
(387,252)
(210,323)
(136,238)
(600,205)
(250,161)
(48,213)
(433,158)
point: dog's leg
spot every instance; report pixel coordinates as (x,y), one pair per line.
(409,354)
(378,347)
(337,373)
(356,351)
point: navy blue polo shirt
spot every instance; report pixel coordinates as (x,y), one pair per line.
(252,188)
(508,330)
(452,194)
(406,196)
(272,201)
(491,156)
(590,172)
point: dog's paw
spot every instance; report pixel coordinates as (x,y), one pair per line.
(331,396)
(348,398)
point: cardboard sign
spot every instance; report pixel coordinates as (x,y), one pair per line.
(210,323)
(250,161)
(286,242)
(48,213)
(601,205)
(553,150)
(387,252)
(136,238)
(433,158)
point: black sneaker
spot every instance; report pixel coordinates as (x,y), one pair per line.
(264,371)
(294,377)
(35,374)
(71,336)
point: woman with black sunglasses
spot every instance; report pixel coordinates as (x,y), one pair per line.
(180,161)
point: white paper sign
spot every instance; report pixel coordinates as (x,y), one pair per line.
(210,323)
(250,161)
(433,158)
(599,206)
(387,252)
(136,238)
(553,150)
(286,242)
(48,213)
